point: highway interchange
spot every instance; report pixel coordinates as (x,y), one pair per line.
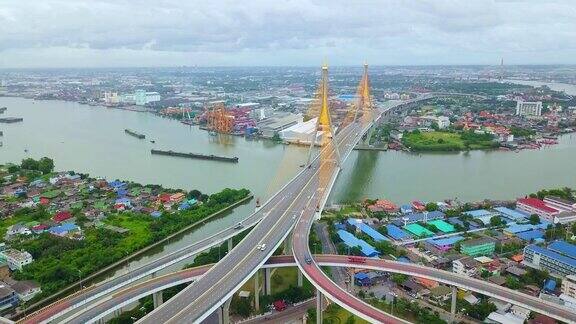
(295,204)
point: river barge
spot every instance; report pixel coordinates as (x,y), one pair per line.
(196,156)
(133,133)
(10,120)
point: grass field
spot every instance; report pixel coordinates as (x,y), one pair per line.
(448,141)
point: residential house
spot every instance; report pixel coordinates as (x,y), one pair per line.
(16,259)
(465,266)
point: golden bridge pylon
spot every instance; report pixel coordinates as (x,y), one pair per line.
(324,121)
(364,99)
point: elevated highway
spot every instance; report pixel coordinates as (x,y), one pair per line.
(126,296)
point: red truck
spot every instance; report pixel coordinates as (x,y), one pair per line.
(357,259)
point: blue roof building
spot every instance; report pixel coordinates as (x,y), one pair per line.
(63,229)
(374,234)
(116,184)
(546,259)
(352,241)
(419,217)
(563,248)
(446,241)
(362,279)
(455,220)
(512,214)
(156,214)
(530,235)
(397,233)
(406,209)
(123,201)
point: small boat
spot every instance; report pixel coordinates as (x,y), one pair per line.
(152,141)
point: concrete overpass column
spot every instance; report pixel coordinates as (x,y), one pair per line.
(267,281)
(158,299)
(319,307)
(224,313)
(256,291)
(230,245)
(454,298)
(300,279)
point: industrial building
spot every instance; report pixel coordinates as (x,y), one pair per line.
(477,247)
(418,217)
(397,233)
(443,245)
(538,207)
(366,229)
(301,133)
(558,258)
(277,123)
(352,241)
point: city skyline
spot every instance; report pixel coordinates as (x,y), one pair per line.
(288,33)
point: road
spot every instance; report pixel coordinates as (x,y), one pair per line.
(131,294)
(203,296)
(339,274)
(300,196)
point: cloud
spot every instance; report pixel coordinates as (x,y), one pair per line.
(285,32)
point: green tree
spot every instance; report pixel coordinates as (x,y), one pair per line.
(29,164)
(431,206)
(46,165)
(496,221)
(534,219)
(350,320)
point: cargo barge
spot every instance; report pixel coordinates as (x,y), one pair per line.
(133,133)
(196,156)
(10,120)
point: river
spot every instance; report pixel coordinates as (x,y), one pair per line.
(92,140)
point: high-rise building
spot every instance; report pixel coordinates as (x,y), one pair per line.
(525,108)
(141,97)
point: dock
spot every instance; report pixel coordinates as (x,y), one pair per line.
(196,156)
(10,120)
(370,148)
(133,133)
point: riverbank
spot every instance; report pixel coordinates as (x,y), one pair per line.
(122,262)
(440,141)
(69,227)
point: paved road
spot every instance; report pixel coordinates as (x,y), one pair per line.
(301,195)
(131,294)
(217,285)
(339,274)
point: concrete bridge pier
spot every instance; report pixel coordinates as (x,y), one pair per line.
(230,245)
(319,307)
(453,306)
(267,281)
(300,278)
(256,291)
(224,312)
(158,299)
(366,141)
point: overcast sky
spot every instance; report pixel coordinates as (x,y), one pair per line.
(113,33)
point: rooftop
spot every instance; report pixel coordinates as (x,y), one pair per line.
(551,254)
(564,248)
(537,203)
